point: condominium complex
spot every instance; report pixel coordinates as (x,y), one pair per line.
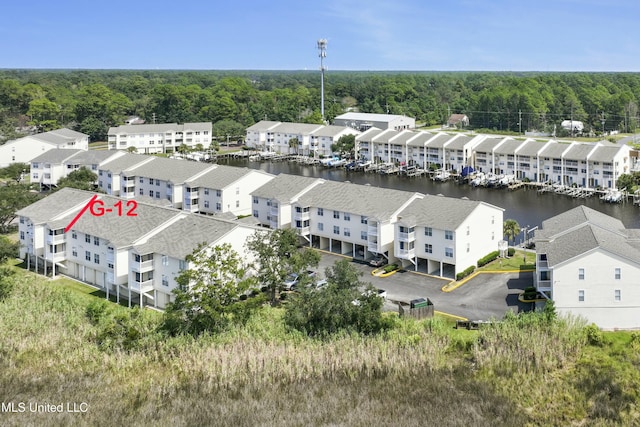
(159,138)
(23,150)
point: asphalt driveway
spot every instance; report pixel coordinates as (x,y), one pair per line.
(485,297)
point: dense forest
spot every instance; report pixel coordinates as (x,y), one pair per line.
(91,101)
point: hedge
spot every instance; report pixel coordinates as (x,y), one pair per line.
(488,258)
(465,273)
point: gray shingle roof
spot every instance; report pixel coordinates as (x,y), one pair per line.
(403,136)
(554,150)
(332,130)
(223,176)
(47,208)
(420,138)
(180,238)
(604,154)
(284,187)
(488,145)
(385,136)
(296,128)
(93,157)
(56,155)
(59,136)
(530,148)
(369,134)
(439,140)
(375,202)
(445,213)
(509,146)
(368,116)
(262,126)
(176,171)
(583,229)
(458,142)
(579,151)
(125,162)
(159,128)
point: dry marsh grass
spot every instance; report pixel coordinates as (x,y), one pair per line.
(417,373)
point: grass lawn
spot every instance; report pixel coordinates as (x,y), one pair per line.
(519,261)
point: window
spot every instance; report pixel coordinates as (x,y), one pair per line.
(448,252)
(618,274)
(468,230)
(363,220)
(237,203)
(363,235)
(74,235)
(255,212)
(96,258)
(336,229)
(428,248)
(347,216)
(74,252)
(581,274)
(493,219)
(218,193)
(35,176)
(165,260)
(206,191)
(141,192)
(87,238)
(96,241)
(616,295)
(320,226)
(347,232)
(110,266)
(237,190)
(87,255)
(157,194)
(165,280)
(150,193)
(141,180)
(157,182)
(581,295)
(22,235)
(218,206)
(428,231)
(320,212)
(468,247)
(206,204)
(336,214)
(21,220)
(182,265)
(255,200)
(448,235)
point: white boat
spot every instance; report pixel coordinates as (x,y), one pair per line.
(479,180)
(441,175)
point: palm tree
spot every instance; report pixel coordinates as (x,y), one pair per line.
(511,229)
(293,143)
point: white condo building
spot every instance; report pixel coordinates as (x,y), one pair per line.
(25,149)
(588,263)
(159,138)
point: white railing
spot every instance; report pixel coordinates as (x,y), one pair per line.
(406,253)
(407,236)
(145,286)
(142,266)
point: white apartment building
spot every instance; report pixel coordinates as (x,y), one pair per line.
(131,257)
(350,219)
(272,202)
(280,137)
(161,178)
(25,149)
(588,263)
(443,236)
(48,168)
(109,172)
(159,138)
(224,189)
(366,121)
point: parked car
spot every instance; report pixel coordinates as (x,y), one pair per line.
(378,261)
(379,292)
(292,280)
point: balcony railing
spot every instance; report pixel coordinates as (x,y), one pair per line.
(544,285)
(406,253)
(273,211)
(407,236)
(372,230)
(55,257)
(372,246)
(304,231)
(142,266)
(111,278)
(55,239)
(141,287)
(301,216)
(543,264)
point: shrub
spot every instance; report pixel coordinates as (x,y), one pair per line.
(511,251)
(594,335)
(6,283)
(465,273)
(389,268)
(488,258)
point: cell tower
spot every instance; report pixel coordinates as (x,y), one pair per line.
(322,47)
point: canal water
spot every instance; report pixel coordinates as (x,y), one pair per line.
(528,207)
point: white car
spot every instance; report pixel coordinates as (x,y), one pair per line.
(292,280)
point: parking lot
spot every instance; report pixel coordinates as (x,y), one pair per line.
(485,297)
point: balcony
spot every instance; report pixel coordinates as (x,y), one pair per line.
(544,285)
(142,266)
(301,216)
(142,287)
(274,211)
(407,236)
(542,264)
(55,257)
(55,239)
(110,257)
(304,231)
(372,230)
(406,253)
(372,246)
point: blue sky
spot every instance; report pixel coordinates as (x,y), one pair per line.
(453,35)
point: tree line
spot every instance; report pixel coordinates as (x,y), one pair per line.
(91,101)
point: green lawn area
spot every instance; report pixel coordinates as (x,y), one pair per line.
(519,261)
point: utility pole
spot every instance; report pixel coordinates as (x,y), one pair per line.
(602,120)
(322,47)
(520,122)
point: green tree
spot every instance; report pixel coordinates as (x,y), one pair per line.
(183,148)
(345,145)
(211,293)
(15,171)
(294,143)
(13,197)
(227,129)
(8,249)
(341,305)
(44,114)
(629,181)
(511,229)
(277,254)
(132,150)
(82,179)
